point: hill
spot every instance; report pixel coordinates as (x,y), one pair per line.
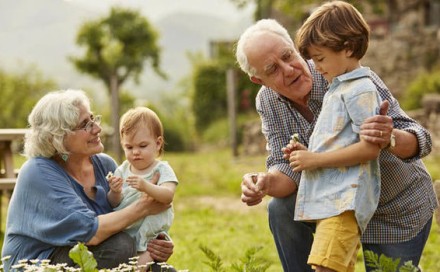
(43,33)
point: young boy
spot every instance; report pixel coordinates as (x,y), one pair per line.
(340,180)
(142,139)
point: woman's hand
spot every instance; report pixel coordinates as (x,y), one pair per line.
(160,249)
(149,206)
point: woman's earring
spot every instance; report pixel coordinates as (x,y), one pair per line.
(65,157)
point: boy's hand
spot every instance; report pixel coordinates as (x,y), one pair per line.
(302,160)
(293,145)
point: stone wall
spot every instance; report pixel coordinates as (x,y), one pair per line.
(402,55)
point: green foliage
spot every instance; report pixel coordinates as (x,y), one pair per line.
(84,258)
(19,92)
(432,163)
(211,173)
(209,100)
(296,10)
(383,263)
(208,211)
(249,263)
(214,261)
(177,125)
(217,134)
(421,85)
(117,45)
(209,89)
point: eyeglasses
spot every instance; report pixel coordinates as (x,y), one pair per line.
(90,124)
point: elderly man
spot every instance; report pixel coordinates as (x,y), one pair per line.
(289,102)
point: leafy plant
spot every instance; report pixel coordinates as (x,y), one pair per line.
(214,261)
(249,263)
(84,258)
(383,263)
(423,84)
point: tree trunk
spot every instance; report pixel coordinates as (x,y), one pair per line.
(114,90)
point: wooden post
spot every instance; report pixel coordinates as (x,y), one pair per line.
(232,109)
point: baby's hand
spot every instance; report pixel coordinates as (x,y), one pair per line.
(109,175)
(115,183)
(136,182)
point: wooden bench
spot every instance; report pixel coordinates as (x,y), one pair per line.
(6,187)
(8,173)
(7,183)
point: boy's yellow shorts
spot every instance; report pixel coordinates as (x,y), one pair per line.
(336,243)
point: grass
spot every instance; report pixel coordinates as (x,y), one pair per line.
(212,214)
(209,213)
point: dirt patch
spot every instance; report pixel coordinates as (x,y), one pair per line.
(222,204)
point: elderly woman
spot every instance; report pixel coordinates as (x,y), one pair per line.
(60,195)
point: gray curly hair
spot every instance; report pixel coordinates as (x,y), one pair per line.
(54,116)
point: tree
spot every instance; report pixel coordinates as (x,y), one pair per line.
(291,13)
(117,47)
(19,92)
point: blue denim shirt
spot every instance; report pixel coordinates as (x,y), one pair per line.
(326,192)
(49,208)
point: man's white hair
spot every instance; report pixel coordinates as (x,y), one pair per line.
(261,26)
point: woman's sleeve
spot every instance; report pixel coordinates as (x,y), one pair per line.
(50,209)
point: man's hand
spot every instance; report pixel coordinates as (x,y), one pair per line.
(254,186)
(378,129)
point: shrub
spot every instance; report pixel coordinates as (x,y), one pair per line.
(423,84)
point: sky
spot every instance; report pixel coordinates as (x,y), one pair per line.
(43,32)
(155,9)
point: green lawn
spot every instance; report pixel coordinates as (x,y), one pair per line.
(208,213)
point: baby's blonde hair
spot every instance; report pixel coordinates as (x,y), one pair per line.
(137,117)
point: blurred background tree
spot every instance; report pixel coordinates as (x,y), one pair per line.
(117,47)
(19,93)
